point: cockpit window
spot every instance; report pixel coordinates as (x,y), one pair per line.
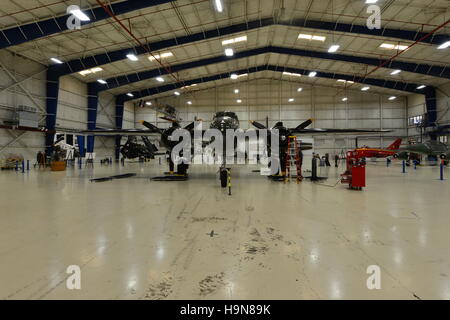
(225,114)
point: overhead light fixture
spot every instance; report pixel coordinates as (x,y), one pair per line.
(236,91)
(218,5)
(160,79)
(312,74)
(229,52)
(160,56)
(391,46)
(148,103)
(234,76)
(239,101)
(421,87)
(365,88)
(80,15)
(345,81)
(395,72)
(291,74)
(291,100)
(176,93)
(445,45)
(132,57)
(371,1)
(130,95)
(299,89)
(56,60)
(392,98)
(189,102)
(101,81)
(305,36)
(334,48)
(344,99)
(89,71)
(190,86)
(234,40)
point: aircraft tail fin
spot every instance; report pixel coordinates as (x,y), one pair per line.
(395,145)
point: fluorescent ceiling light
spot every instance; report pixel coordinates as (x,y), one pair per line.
(218,5)
(365,88)
(421,87)
(234,40)
(89,71)
(238,100)
(344,99)
(189,102)
(395,72)
(334,48)
(148,103)
(236,91)
(393,46)
(80,15)
(234,76)
(305,36)
(160,79)
(392,98)
(101,81)
(445,45)
(319,38)
(176,93)
(345,81)
(190,86)
(160,56)
(291,74)
(291,100)
(299,89)
(371,1)
(312,74)
(229,52)
(56,60)
(132,57)
(130,94)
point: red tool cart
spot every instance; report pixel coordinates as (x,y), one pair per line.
(355,175)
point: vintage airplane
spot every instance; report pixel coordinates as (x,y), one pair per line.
(430,148)
(284,134)
(366,152)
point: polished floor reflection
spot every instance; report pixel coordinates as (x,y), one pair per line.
(138,239)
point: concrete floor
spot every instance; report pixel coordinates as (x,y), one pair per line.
(137,239)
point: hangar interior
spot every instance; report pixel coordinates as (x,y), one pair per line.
(266,61)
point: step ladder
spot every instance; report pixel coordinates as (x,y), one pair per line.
(293,159)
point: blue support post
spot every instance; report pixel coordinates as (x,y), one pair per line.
(28,165)
(17,165)
(23,166)
(442,170)
(403,166)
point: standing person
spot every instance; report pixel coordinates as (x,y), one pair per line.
(336,160)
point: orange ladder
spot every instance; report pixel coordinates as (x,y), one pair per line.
(293,159)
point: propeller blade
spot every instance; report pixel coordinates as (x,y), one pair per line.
(190,126)
(168,119)
(258,125)
(152,127)
(303,125)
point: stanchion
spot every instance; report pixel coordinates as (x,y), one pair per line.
(17,165)
(28,165)
(23,166)
(404,166)
(442,170)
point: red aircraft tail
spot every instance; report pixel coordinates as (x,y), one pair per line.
(395,145)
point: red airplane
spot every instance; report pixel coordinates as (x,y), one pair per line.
(366,152)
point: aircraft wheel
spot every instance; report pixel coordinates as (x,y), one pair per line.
(223,178)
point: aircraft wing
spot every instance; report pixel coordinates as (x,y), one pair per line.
(118,132)
(337,131)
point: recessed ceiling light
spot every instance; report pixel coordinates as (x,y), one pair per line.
(239,101)
(101,81)
(299,89)
(312,74)
(365,88)
(56,60)
(176,93)
(344,99)
(132,57)
(189,102)
(148,103)
(291,100)
(445,45)
(392,98)
(236,91)
(229,52)
(160,79)
(395,72)
(130,95)
(80,14)
(334,48)
(371,1)
(421,87)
